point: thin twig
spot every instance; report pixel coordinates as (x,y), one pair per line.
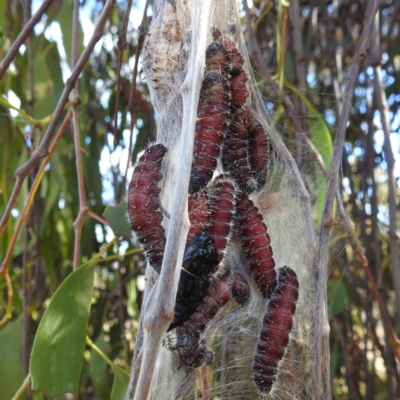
(97,217)
(393,339)
(23,387)
(320,261)
(122,45)
(31,100)
(83,208)
(10,295)
(23,36)
(132,94)
(42,150)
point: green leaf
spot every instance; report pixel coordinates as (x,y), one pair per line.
(117,217)
(64,18)
(337,296)
(3,15)
(11,374)
(120,384)
(98,371)
(44,98)
(58,349)
(322,140)
(121,378)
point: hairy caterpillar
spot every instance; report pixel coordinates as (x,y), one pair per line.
(257,251)
(210,127)
(143,204)
(222,209)
(217,59)
(198,209)
(235,156)
(239,92)
(192,352)
(277,324)
(258,148)
(199,259)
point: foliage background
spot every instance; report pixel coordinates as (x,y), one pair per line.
(301,57)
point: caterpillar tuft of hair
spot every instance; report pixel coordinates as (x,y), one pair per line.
(199,259)
(210,128)
(143,204)
(235,153)
(277,324)
(222,210)
(255,242)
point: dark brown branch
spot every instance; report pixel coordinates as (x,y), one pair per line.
(321,257)
(83,208)
(23,36)
(122,45)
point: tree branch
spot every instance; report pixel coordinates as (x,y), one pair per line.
(321,257)
(42,150)
(12,52)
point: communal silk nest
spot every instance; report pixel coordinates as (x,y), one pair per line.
(237,170)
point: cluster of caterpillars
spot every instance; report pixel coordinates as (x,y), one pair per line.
(218,210)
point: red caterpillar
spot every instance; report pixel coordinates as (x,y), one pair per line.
(210,127)
(143,204)
(222,209)
(235,156)
(277,324)
(256,246)
(217,59)
(192,352)
(239,92)
(258,148)
(198,214)
(199,260)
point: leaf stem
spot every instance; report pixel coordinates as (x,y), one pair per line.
(23,387)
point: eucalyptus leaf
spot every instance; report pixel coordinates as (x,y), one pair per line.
(117,216)
(11,373)
(58,349)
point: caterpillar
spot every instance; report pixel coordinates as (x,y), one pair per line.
(199,259)
(222,210)
(255,241)
(143,204)
(239,92)
(210,127)
(217,59)
(277,324)
(192,352)
(258,148)
(217,296)
(198,209)
(235,155)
